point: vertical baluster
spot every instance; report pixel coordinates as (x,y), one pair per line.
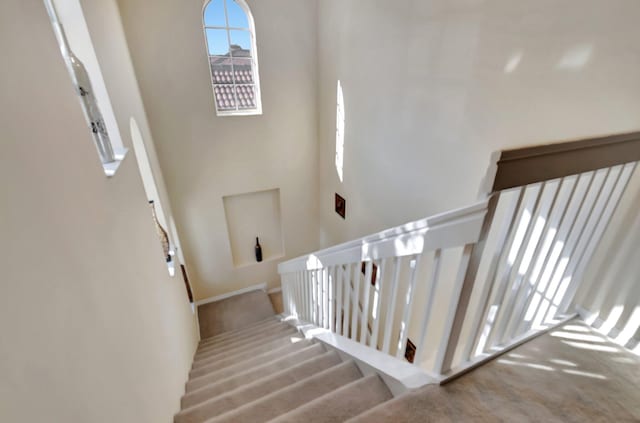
(408,304)
(391,307)
(331,280)
(516,253)
(307,296)
(283,284)
(288,298)
(586,230)
(565,233)
(339,289)
(595,238)
(316,294)
(299,308)
(319,296)
(500,254)
(294,277)
(325,298)
(379,287)
(451,334)
(347,300)
(364,319)
(303,298)
(431,293)
(525,289)
(294,293)
(528,246)
(356,301)
(548,256)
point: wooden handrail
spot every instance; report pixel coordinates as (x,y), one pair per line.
(529,165)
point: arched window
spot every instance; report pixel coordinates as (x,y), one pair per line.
(233,60)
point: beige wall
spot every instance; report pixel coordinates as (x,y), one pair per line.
(93,329)
(109,42)
(431,88)
(205,157)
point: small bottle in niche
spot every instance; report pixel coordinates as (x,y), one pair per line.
(258,249)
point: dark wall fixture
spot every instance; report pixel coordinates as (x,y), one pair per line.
(186,283)
(341,206)
(410,351)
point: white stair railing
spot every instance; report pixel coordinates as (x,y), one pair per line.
(519,256)
(328,289)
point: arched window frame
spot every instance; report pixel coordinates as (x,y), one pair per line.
(254,59)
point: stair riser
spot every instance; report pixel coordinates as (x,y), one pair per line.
(252,339)
(295,395)
(210,377)
(258,389)
(341,404)
(229,336)
(250,374)
(220,362)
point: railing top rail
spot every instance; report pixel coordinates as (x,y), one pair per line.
(442,230)
(524,166)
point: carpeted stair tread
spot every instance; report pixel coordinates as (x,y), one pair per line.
(341,404)
(230,357)
(413,406)
(293,396)
(228,367)
(273,326)
(216,349)
(262,336)
(257,389)
(240,335)
(248,327)
(293,356)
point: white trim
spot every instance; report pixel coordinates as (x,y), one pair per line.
(399,375)
(446,230)
(259,287)
(110,169)
(274,290)
(516,342)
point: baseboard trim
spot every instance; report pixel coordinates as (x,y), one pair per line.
(259,287)
(400,376)
(274,290)
(465,368)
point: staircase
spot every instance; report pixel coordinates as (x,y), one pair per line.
(448,293)
(268,371)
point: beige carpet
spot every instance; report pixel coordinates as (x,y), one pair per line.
(254,368)
(234,313)
(568,375)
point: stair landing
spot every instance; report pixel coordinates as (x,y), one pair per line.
(571,374)
(234,313)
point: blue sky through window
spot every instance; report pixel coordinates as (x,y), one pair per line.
(214,14)
(217,41)
(237,17)
(241,38)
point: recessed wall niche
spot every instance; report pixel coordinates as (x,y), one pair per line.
(251,215)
